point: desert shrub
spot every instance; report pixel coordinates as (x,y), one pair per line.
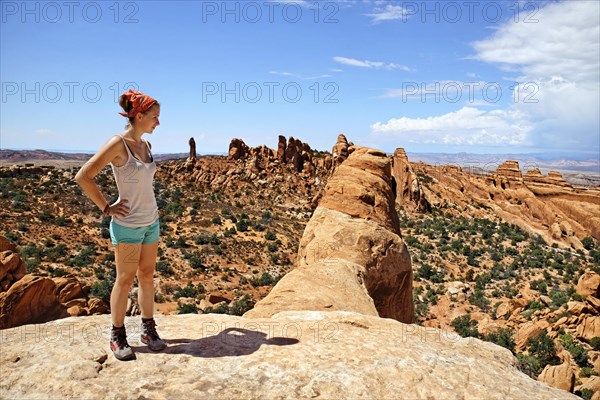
(586,372)
(503,337)
(242,305)
(588,243)
(270,235)
(102,288)
(265,279)
(187,308)
(57,272)
(465,326)
(595,343)
(242,225)
(579,353)
(55,253)
(189,291)
(478,299)
(84,257)
(272,247)
(529,365)
(202,239)
(585,394)
(558,298)
(164,268)
(544,350)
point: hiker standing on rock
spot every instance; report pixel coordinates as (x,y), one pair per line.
(134,226)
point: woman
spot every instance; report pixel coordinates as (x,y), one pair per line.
(134,227)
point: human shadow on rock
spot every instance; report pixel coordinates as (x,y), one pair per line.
(229,342)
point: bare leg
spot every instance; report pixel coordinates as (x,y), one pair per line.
(145,274)
(127,258)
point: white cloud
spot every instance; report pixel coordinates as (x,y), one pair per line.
(468,126)
(556,63)
(369,64)
(558,60)
(564,42)
(322,76)
(318,77)
(281,73)
(389,13)
(448,91)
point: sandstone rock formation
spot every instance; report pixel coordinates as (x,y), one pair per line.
(339,150)
(192,156)
(35,299)
(408,187)
(293,167)
(26,299)
(559,376)
(237,149)
(301,354)
(281,145)
(12,267)
(589,284)
(545,206)
(351,256)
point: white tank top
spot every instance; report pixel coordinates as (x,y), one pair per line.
(135,182)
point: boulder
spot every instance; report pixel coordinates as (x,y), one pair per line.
(588,284)
(588,328)
(559,376)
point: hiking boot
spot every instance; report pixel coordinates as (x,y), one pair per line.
(150,337)
(119,345)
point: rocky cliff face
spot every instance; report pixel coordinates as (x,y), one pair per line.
(292,167)
(323,335)
(545,206)
(351,242)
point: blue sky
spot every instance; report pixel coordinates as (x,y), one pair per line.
(477,77)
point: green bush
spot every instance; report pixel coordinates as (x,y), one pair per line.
(544,349)
(102,288)
(242,225)
(529,365)
(503,337)
(595,343)
(465,326)
(478,299)
(163,268)
(270,235)
(202,239)
(84,257)
(187,308)
(265,279)
(579,353)
(558,298)
(272,247)
(189,291)
(586,372)
(585,394)
(588,243)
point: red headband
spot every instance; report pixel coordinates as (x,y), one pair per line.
(141,103)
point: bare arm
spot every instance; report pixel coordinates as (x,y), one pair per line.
(85,177)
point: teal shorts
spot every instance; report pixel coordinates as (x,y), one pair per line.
(144,234)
